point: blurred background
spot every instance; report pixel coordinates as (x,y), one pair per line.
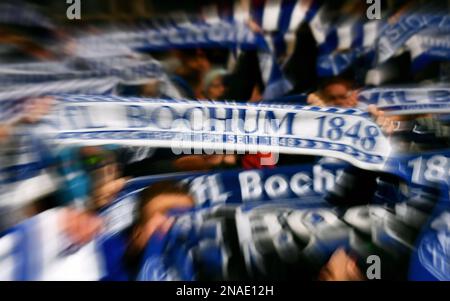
(93,209)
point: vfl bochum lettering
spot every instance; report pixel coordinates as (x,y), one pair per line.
(389,97)
(227,126)
(408,100)
(211,119)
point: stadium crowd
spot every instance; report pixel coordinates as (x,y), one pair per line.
(80,182)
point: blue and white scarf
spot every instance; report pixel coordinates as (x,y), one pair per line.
(180,124)
(408,24)
(408,100)
(293,188)
(126,70)
(186,35)
(346,44)
(429,45)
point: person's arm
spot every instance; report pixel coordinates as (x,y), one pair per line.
(33,112)
(386,123)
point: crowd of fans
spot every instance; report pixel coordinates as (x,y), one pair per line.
(84,180)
